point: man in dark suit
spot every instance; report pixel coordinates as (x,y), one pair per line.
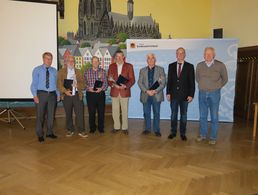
(180,91)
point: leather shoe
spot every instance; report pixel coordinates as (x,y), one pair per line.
(171,136)
(125,132)
(158,134)
(146,132)
(183,138)
(41,139)
(53,136)
(114,130)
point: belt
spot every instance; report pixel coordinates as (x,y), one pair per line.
(94,92)
(49,92)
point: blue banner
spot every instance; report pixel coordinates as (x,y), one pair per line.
(165,51)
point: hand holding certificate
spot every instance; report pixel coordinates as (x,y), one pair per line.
(154,86)
(121,80)
(98,84)
(152,90)
(68,84)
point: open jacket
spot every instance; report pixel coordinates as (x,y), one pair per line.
(143,83)
(127,72)
(62,74)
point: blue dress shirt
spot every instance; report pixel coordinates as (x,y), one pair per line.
(39,80)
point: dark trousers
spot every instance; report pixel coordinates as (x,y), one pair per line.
(74,103)
(47,105)
(174,104)
(96,101)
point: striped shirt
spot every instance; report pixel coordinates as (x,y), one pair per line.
(91,76)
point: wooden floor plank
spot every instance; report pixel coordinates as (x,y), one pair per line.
(135,164)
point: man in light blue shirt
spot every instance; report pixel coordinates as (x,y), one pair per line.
(45,95)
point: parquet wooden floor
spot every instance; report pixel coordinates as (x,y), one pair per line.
(116,164)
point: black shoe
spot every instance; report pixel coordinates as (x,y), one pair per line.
(92,131)
(146,132)
(171,136)
(101,131)
(158,134)
(114,130)
(52,136)
(183,138)
(41,139)
(125,132)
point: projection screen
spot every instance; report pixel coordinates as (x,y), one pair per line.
(28,29)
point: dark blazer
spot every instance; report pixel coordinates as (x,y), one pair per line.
(184,86)
(127,72)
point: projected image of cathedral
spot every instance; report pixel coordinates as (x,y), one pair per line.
(96,20)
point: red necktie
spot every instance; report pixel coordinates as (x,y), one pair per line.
(179,70)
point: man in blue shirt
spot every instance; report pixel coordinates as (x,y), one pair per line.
(44,91)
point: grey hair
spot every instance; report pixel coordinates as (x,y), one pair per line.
(210,48)
(151,55)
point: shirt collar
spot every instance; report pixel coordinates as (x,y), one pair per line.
(182,63)
(95,70)
(70,69)
(151,69)
(120,64)
(45,66)
(209,63)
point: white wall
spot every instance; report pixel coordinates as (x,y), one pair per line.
(27,30)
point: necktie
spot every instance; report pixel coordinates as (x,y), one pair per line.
(179,69)
(47,78)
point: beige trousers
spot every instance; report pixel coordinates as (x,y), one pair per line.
(118,102)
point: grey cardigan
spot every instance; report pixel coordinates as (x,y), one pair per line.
(159,74)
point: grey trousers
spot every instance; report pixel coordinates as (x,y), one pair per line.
(74,103)
(47,105)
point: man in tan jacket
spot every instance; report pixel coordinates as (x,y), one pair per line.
(72,96)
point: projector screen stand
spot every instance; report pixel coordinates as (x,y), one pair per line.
(10,116)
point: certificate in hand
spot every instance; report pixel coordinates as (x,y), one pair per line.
(68,84)
(121,80)
(154,86)
(97,84)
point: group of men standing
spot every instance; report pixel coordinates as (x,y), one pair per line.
(49,86)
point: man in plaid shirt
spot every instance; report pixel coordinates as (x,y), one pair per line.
(96,97)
